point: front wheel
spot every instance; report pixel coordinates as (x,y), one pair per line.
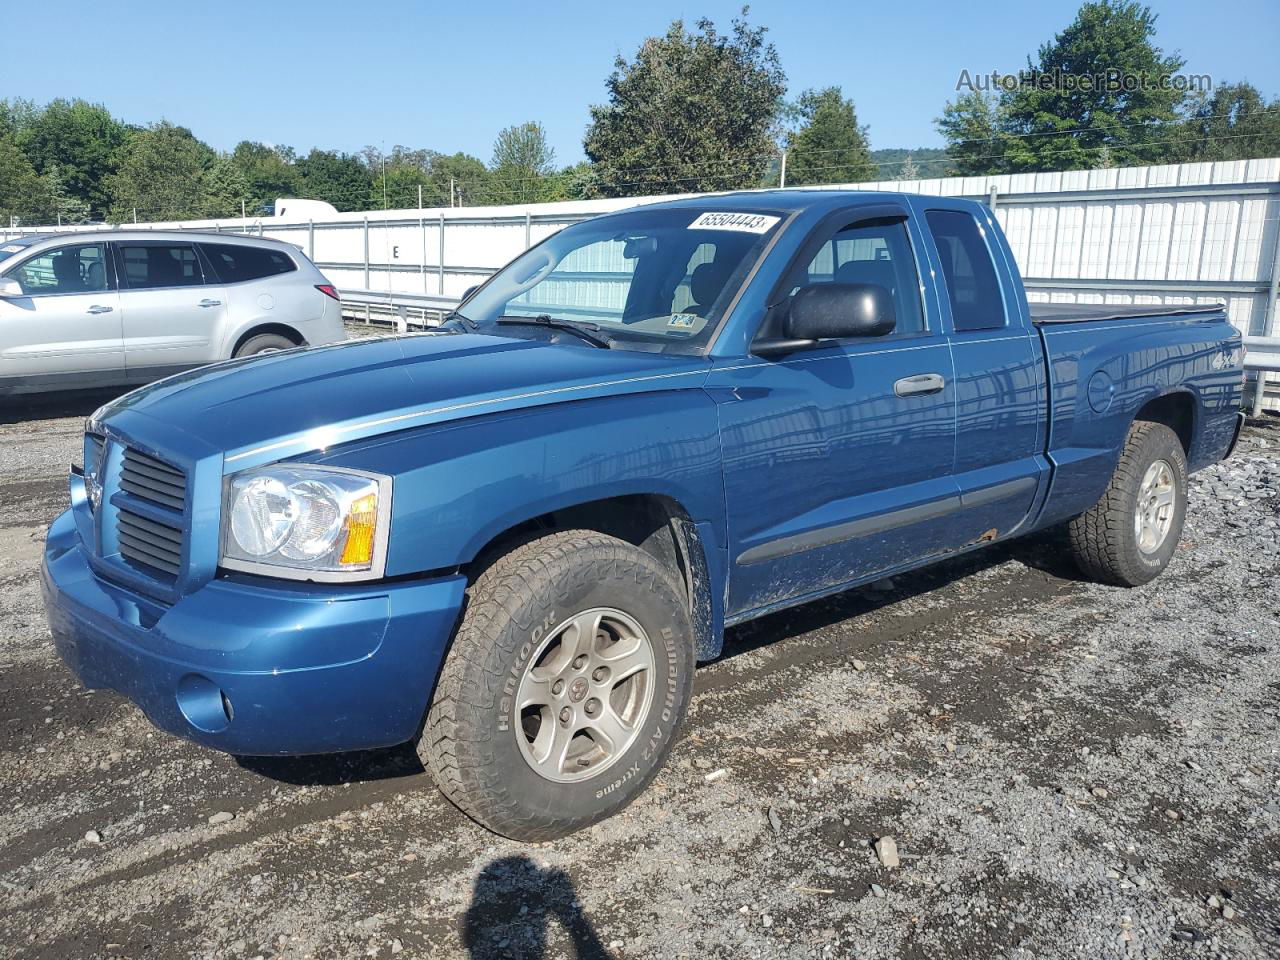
(1128,537)
(560,699)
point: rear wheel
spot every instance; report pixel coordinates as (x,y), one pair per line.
(264,343)
(1129,536)
(570,673)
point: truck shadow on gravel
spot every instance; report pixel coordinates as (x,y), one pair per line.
(335,769)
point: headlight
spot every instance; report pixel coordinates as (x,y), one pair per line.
(306,523)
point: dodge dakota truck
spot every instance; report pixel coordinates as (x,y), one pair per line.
(511,539)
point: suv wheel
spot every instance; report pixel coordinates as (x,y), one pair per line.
(570,673)
(264,343)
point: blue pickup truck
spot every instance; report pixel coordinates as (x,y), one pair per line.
(511,539)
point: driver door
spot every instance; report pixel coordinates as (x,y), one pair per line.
(838,458)
(63,331)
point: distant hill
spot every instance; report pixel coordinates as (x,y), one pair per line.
(930,161)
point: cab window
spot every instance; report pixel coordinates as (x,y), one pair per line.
(973,289)
(79,268)
(871,251)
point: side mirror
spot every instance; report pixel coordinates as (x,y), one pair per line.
(10,288)
(466,294)
(825,311)
(828,310)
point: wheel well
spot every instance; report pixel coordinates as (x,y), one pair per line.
(277,328)
(647,521)
(1177,411)
(656,524)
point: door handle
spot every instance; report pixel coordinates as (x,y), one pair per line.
(210,303)
(98,308)
(920,384)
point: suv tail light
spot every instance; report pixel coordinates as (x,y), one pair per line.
(329,290)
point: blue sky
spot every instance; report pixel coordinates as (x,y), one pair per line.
(338,74)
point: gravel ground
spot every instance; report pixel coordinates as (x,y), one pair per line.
(1068,770)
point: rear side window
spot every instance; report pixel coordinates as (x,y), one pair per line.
(235,262)
(972,286)
(150,265)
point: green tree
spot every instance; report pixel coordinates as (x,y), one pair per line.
(579,182)
(446,180)
(61,207)
(269,173)
(1098,90)
(225,188)
(82,140)
(1235,123)
(976,142)
(16,116)
(161,175)
(1109,35)
(461,177)
(692,112)
(341,179)
(22,193)
(829,147)
(931,161)
(522,165)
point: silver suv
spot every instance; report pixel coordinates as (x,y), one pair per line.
(122,307)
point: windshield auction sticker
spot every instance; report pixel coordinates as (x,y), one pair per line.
(742,222)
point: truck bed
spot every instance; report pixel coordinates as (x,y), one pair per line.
(1043,313)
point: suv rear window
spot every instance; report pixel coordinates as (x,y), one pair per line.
(234,262)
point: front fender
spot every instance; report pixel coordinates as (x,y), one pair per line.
(457,486)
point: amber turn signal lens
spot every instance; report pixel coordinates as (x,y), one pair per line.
(360,525)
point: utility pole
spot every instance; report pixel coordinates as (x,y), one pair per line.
(243,215)
(419,196)
(451,203)
(782,174)
(135,214)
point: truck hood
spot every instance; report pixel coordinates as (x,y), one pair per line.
(270,407)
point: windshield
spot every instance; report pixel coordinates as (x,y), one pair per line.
(656,280)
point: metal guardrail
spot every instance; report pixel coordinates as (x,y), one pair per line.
(396,307)
(1261,355)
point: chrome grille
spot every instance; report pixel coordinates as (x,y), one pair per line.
(150,479)
(144,541)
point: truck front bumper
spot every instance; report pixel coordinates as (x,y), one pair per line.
(249,666)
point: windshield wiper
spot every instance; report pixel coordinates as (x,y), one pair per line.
(590,332)
(455,315)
